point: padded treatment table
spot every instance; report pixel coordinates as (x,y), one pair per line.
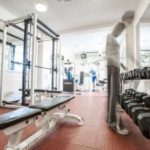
(16,116)
(46,105)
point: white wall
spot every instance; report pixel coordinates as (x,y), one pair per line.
(133,45)
(5,14)
(12,80)
(85,65)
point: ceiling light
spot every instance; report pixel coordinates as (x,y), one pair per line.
(41,7)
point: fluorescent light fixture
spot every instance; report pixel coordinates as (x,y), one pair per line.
(41,7)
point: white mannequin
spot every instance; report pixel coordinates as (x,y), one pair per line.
(113,72)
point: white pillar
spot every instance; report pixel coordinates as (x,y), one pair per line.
(3,63)
(34,49)
(40,63)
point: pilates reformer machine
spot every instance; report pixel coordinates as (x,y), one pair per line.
(31,27)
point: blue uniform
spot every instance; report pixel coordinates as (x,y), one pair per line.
(93,76)
(69,75)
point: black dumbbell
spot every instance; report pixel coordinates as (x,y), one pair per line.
(143,73)
(138,110)
(143,121)
(137,102)
(129,100)
(146,73)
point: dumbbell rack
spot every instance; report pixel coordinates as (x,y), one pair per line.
(137,106)
(136,74)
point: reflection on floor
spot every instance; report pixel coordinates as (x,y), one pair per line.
(94,135)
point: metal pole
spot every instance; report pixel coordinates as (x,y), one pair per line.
(8,43)
(3,63)
(12,35)
(33,57)
(56,63)
(53,63)
(59,66)
(48,28)
(19,20)
(25,59)
(46,33)
(13,56)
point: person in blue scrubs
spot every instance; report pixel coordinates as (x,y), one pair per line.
(93,77)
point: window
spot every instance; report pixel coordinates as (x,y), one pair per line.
(144,44)
(16,58)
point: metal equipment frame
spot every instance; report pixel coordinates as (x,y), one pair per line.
(36,25)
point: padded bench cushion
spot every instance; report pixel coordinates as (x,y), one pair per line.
(16,116)
(46,105)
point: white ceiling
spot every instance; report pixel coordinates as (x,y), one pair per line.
(76,14)
(146,15)
(93,41)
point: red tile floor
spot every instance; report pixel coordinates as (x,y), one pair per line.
(94,135)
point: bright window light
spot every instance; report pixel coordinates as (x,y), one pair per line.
(41,7)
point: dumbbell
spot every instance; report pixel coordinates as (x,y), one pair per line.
(135,103)
(145,73)
(135,111)
(126,96)
(127,100)
(148,72)
(135,98)
(137,73)
(143,121)
(138,110)
(130,75)
(126,75)
(133,75)
(129,92)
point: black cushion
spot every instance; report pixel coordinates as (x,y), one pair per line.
(46,105)
(17,116)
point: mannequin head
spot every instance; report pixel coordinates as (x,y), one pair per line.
(128,17)
(118,29)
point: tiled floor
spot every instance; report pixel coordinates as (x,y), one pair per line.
(94,135)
